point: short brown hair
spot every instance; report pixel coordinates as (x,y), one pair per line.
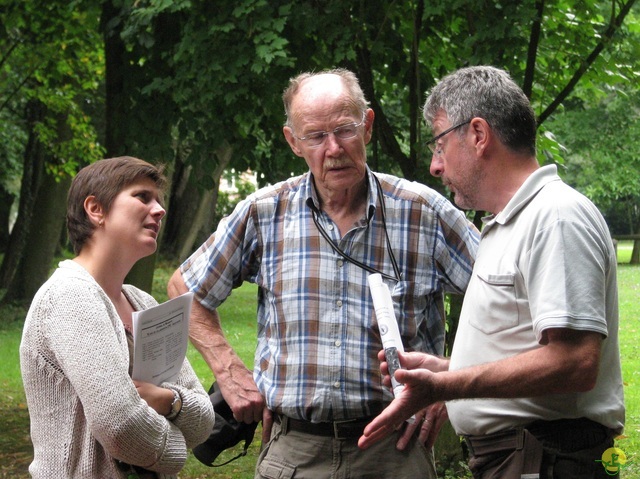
(104,179)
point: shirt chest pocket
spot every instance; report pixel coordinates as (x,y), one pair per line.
(495,302)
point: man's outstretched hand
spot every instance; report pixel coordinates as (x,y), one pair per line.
(418,377)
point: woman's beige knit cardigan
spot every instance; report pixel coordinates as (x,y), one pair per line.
(84,409)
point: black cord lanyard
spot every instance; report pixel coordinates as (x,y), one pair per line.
(345,256)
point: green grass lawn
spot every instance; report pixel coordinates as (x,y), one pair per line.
(629,300)
(238,318)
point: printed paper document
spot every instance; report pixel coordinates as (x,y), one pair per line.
(160,339)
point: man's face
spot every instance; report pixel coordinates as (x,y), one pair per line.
(454,161)
(337,163)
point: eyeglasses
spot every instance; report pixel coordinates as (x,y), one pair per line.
(344,132)
(433,142)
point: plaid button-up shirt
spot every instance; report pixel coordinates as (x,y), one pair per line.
(318,338)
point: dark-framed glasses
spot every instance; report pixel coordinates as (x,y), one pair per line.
(433,142)
(344,132)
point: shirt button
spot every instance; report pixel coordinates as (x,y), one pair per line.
(338,343)
(330,228)
(340,263)
(336,384)
(339,304)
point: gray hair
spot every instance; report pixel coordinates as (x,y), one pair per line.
(488,93)
(349,79)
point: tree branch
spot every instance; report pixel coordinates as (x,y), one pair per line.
(414,84)
(385,133)
(584,66)
(6,56)
(534,41)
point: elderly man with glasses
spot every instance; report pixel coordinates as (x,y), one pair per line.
(310,243)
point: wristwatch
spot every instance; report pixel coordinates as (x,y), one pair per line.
(176,406)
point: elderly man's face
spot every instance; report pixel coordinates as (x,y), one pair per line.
(322,105)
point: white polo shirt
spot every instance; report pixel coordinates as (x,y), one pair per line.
(546,261)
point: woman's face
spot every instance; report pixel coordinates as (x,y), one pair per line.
(135,217)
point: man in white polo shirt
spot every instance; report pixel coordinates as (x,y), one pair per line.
(534,381)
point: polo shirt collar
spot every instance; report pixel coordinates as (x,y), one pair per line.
(530,188)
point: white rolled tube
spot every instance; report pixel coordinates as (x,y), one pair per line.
(389,332)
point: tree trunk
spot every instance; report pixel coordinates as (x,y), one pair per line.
(384,131)
(47,223)
(202,224)
(136,124)
(197,221)
(6,201)
(635,253)
(185,197)
(415,88)
(33,169)
(116,124)
(119,117)
(191,217)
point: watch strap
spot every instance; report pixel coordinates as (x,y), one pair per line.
(176,405)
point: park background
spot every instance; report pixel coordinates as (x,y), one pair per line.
(196,85)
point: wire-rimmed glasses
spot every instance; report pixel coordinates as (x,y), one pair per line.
(433,142)
(344,132)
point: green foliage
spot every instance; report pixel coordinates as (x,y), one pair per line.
(603,157)
(214,71)
(549,150)
(51,55)
(382,40)
(221,68)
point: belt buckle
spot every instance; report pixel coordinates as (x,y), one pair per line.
(337,425)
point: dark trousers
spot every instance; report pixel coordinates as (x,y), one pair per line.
(563,449)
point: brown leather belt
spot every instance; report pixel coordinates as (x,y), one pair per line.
(348,429)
